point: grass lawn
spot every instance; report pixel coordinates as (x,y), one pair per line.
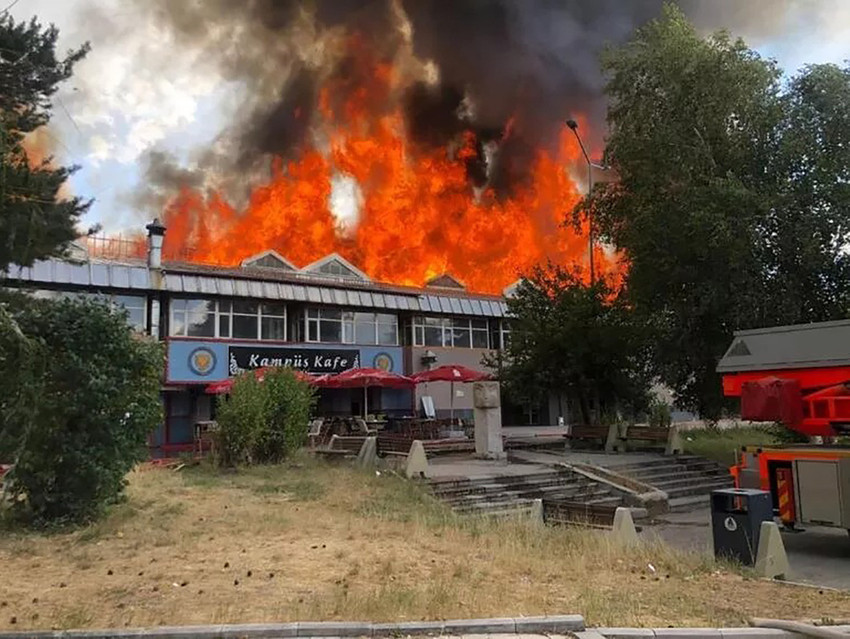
(313,542)
(721,444)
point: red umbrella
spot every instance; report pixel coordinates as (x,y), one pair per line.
(226,385)
(366,377)
(451,373)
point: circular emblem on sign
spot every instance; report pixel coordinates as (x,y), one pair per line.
(383,362)
(202,361)
(731,524)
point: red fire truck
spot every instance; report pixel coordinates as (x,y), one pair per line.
(799,376)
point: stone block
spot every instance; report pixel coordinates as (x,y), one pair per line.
(480,626)
(623,531)
(674,446)
(238,631)
(536,513)
(334,629)
(368,455)
(550,625)
(417,461)
(771,560)
(756,633)
(409,628)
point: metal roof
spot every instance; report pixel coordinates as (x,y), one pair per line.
(104,274)
(85,274)
(800,346)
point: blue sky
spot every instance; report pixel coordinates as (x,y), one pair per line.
(138,90)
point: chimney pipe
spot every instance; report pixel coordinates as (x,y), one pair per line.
(156,233)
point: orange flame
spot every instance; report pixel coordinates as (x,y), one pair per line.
(418,215)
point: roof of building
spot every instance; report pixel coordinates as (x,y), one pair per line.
(262,282)
(446,280)
(818,345)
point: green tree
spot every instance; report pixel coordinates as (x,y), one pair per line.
(35,221)
(731,198)
(574,340)
(263,421)
(85,399)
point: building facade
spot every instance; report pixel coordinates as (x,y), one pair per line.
(326,317)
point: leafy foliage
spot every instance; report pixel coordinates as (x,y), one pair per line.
(732,197)
(263,422)
(81,394)
(577,339)
(36,220)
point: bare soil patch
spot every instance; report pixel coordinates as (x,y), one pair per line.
(309,541)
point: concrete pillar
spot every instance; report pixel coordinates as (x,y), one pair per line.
(488,420)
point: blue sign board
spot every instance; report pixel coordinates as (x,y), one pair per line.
(201,361)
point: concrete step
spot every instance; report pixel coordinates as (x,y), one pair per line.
(704,489)
(690,480)
(485,488)
(496,479)
(651,474)
(688,503)
(529,495)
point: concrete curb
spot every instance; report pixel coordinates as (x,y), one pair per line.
(705,633)
(521,625)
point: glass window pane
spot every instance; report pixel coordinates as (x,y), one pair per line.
(313,312)
(245,326)
(331,314)
(200,307)
(136,318)
(387,334)
(245,306)
(224,325)
(313,331)
(418,336)
(348,332)
(364,318)
(178,305)
(460,323)
(364,332)
(129,301)
(479,323)
(201,325)
(224,306)
(330,331)
(177,325)
(273,328)
(274,308)
(461,338)
(480,339)
(389,318)
(433,335)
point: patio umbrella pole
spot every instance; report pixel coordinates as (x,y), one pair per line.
(365,400)
(452,405)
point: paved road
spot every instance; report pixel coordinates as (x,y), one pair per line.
(818,556)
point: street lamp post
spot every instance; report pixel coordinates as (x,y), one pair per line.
(573,125)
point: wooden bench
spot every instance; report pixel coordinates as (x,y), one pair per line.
(653,436)
(581,432)
(340,446)
(394,444)
(575,513)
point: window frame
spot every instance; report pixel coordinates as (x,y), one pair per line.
(225,308)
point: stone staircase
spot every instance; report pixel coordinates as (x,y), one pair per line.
(688,480)
(506,495)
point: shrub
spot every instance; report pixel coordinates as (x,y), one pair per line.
(81,395)
(263,422)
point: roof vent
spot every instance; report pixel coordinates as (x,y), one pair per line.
(268,259)
(739,349)
(445,281)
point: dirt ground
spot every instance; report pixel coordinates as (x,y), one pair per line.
(313,542)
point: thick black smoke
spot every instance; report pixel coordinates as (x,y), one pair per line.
(531,62)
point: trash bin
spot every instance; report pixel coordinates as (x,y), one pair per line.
(736,518)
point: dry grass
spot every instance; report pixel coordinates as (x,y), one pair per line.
(317,542)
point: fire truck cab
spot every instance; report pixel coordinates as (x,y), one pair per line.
(798,376)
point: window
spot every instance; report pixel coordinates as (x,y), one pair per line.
(239,319)
(450,332)
(135,305)
(347,327)
(504,334)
